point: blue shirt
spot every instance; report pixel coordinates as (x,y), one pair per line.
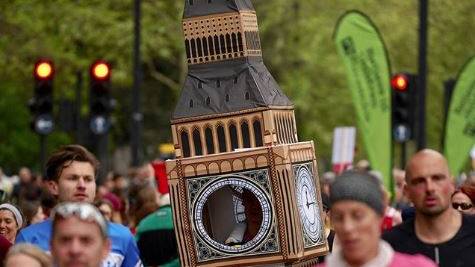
(124,251)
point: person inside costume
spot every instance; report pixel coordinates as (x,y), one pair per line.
(247,230)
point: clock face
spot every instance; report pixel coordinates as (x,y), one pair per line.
(250,208)
(308,207)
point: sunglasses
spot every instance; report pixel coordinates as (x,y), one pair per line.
(83,211)
(463,206)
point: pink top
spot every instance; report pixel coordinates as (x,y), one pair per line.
(404,260)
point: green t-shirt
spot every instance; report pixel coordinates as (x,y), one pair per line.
(159,221)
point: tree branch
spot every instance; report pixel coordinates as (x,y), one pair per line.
(161,77)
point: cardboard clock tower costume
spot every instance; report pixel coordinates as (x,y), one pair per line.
(244,190)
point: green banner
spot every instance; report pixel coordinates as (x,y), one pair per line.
(360,46)
(460,127)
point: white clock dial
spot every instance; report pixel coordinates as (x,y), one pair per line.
(307,203)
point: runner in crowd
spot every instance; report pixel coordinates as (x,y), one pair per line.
(357,210)
(71,177)
(437,230)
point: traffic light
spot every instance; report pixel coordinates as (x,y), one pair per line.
(404,89)
(101,103)
(41,105)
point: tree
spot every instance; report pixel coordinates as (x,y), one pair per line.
(296,40)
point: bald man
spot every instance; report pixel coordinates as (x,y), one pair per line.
(437,230)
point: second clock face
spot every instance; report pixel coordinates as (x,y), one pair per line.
(309,211)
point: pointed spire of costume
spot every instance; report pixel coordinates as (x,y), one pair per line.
(226,72)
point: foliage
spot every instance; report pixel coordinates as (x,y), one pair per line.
(297,44)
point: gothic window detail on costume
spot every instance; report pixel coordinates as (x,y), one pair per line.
(256,125)
(197,142)
(234,136)
(185,144)
(246,140)
(209,140)
(221,138)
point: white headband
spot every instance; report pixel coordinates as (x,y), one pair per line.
(15,211)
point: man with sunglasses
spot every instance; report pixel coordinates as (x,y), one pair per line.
(80,235)
(437,231)
(71,177)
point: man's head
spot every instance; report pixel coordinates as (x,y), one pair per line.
(25,175)
(356,210)
(428,183)
(80,236)
(71,174)
(399,182)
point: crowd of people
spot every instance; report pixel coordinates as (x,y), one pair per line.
(430,222)
(67,218)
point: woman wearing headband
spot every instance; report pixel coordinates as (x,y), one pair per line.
(11,221)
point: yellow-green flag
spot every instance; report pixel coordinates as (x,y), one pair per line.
(460,127)
(360,46)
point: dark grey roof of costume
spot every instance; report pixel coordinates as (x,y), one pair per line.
(206,7)
(237,78)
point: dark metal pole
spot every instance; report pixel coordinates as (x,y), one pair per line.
(42,153)
(136,125)
(403,154)
(449,86)
(421,137)
(102,153)
(77,107)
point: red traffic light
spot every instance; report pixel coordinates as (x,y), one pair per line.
(44,69)
(400,82)
(100,70)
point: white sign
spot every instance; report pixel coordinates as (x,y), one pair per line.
(343,148)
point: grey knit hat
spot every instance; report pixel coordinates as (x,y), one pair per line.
(360,187)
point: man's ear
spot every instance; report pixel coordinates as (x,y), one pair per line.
(52,187)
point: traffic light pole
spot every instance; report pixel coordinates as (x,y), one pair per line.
(421,86)
(136,124)
(449,86)
(77,108)
(42,153)
(42,106)
(403,155)
(101,146)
